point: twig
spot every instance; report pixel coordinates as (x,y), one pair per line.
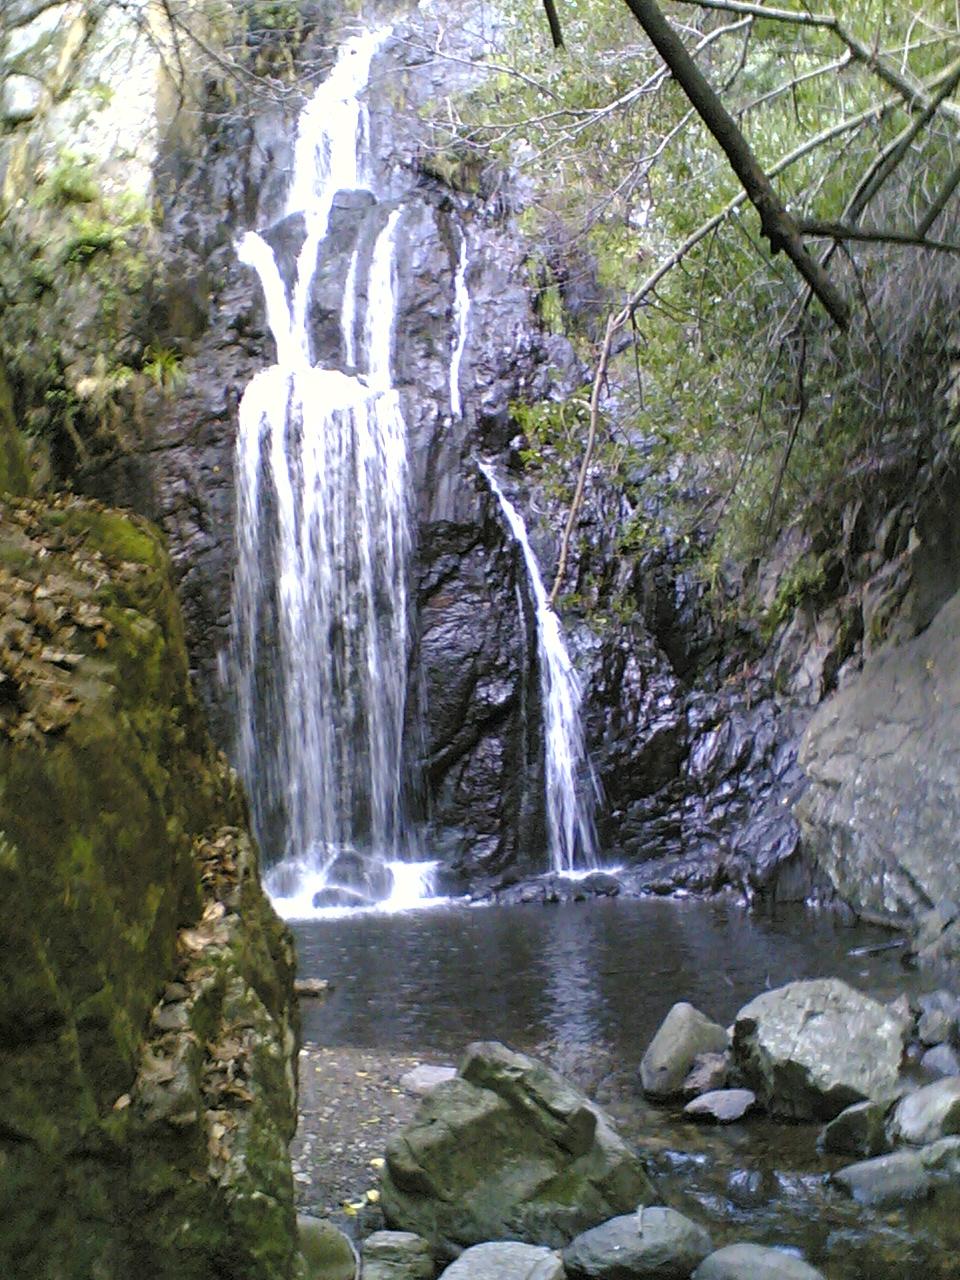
(844,231)
(595,393)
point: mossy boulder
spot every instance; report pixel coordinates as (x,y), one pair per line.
(142,955)
(508,1150)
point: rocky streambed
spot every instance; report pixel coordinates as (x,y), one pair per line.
(823,1129)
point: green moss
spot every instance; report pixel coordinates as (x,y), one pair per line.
(95,882)
(803,582)
(13,462)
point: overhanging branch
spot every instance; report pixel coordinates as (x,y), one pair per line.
(776,223)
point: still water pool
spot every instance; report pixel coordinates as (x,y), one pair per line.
(594,976)
(585,986)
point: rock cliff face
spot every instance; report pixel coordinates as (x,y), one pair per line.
(147,1021)
(883,805)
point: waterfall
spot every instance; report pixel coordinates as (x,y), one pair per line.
(570,784)
(319,630)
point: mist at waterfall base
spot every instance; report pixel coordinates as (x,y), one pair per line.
(317,662)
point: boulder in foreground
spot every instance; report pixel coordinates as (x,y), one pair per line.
(508,1150)
(652,1244)
(754,1262)
(509,1260)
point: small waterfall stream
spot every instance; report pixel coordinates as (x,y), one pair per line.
(571,787)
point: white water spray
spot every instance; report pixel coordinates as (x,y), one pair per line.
(571,786)
(320,598)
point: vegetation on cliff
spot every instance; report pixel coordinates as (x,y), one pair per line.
(725,405)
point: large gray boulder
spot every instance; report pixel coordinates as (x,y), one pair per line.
(652,1244)
(754,1262)
(683,1036)
(810,1049)
(882,810)
(507,1261)
(904,1176)
(508,1150)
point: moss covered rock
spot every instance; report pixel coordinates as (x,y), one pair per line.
(146,1013)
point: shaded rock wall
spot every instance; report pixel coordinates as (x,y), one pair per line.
(147,959)
(883,806)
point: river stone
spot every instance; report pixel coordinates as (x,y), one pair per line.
(811,1048)
(721,1106)
(860,1130)
(684,1034)
(941,1060)
(902,1176)
(928,1114)
(508,1260)
(710,1071)
(327,1252)
(508,1150)
(754,1262)
(397,1255)
(425,1077)
(936,1026)
(654,1243)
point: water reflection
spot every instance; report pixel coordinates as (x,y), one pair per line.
(595,975)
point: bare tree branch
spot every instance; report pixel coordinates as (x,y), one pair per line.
(844,231)
(939,204)
(577,500)
(909,90)
(776,223)
(553,18)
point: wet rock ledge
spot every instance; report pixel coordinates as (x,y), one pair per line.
(147,1018)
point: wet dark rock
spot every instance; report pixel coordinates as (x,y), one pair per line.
(752,1188)
(709,1071)
(654,1243)
(859,1130)
(554,888)
(684,1034)
(903,1176)
(360,875)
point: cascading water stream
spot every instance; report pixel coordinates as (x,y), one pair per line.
(320,597)
(461,318)
(571,787)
